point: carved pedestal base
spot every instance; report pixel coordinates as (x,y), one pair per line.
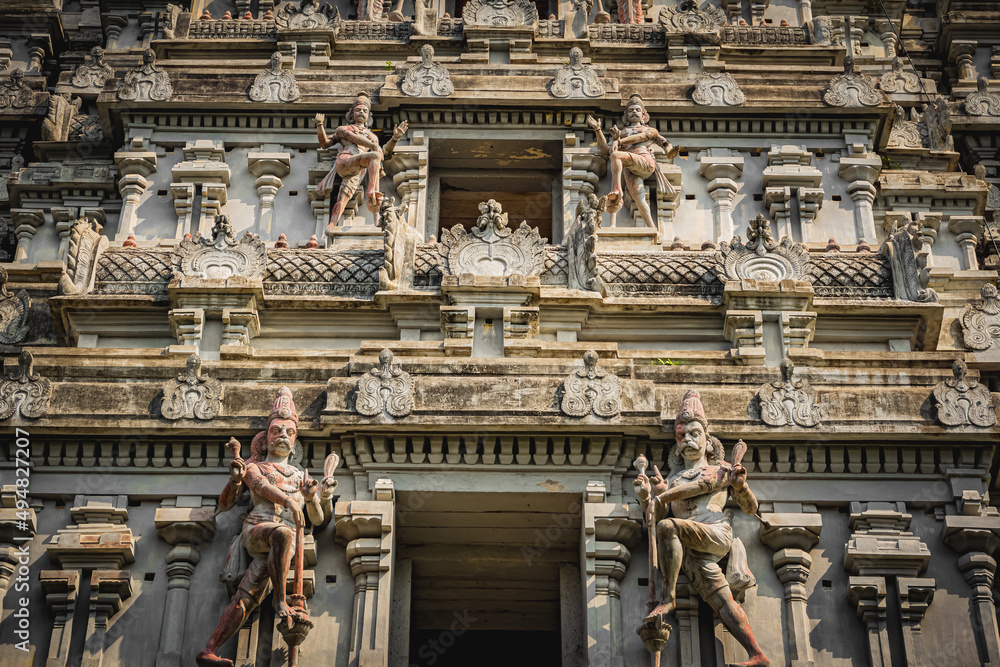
(357,237)
(626,239)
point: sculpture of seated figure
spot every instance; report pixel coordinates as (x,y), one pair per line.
(359,154)
(691,529)
(631,152)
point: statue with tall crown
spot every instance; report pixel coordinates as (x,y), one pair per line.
(273,531)
(690,529)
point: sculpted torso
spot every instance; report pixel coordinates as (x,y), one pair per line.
(286,478)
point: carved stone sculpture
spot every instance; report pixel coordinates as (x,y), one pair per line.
(762,258)
(499,13)
(981,321)
(16,163)
(851,90)
(24,392)
(717,89)
(358,154)
(273,532)
(963,402)
(399,247)
(581,244)
(274,84)
(222,256)
(491,248)
(427,78)
(385,389)
(369,10)
(687,17)
(576,80)
(937,118)
(93,72)
(591,390)
(909,274)
(982,102)
(192,395)
(898,80)
(13,313)
(685,513)
(15,94)
(146,83)
(631,152)
(309,15)
(630,11)
(85,244)
(787,402)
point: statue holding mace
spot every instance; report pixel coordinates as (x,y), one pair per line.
(689,528)
(273,531)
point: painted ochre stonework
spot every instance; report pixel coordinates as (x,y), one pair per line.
(560,286)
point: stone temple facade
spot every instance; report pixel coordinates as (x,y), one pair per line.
(452,423)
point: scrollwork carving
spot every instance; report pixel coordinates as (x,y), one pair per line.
(15,94)
(309,15)
(591,389)
(146,83)
(222,256)
(898,80)
(24,392)
(13,313)
(717,89)
(982,102)
(762,258)
(427,78)
(385,389)
(851,90)
(85,245)
(493,249)
(192,395)
(788,402)
(581,244)
(576,80)
(962,402)
(908,277)
(981,322)
(93,72)
(499,13)
(687,17)
(274,84)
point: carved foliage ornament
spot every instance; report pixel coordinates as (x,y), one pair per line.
(982,102)
(94,72)
(386,388)
(15,94)
(687,17)
(960,401)
(191,395)
(576,80)
(852,90)
(493,249)
(24,391)
(146,83)
(787,402)
(591,390)
(310,14)
(13,313)
(762,258)
(898,80)
(274,84)
(427,78)
(85,244)
(499,13)
(581,244)
(909,279)
(223,256)
(718,89)
(981,322)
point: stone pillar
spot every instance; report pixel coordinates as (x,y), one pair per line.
(239,326)
(792,536)
(582,168)
(915,595)
(806,11)
(885,31)
(113,25)
(26,223)
(666,202)
(967,230)
(204,166)
(269,165)
(609,531)
(184,528)
(789,171)
(867,594)
(64,217)
(133,167)
(60,588)
(108,590)
(862,170)
(929,226)
(367,528)
(723,171)
(962,52)
(977,539)
(183,196)
(408,169)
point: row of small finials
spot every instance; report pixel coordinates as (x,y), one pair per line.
(228,16)
(282,241)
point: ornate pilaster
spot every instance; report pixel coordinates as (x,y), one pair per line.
(915,595)
(108,590)
(723,170)
(967,231)
(610,530)
(867,594)
(26,224)
(60,588)
(184,528)
(133,167)
(792,537)
(861,169)
(269,165)
(789,173)
(977,539)
(408,169)
(582,169)
(367,528)
(205,167)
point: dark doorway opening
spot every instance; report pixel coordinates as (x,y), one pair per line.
(484,648)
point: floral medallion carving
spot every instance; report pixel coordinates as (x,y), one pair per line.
(274,84)
(981,322)
(385,389)
(717,89)
(427,78)
(687,17)
(93,72)
(24,392)
(591,389)
(310,14)
(15,94)
(576,80)
(146,83)
(761,257)
(223,256)
(852,90)
(192,395)
(788,402)
(499,13)
(898,80)
(962,402)
(982,102)
(13,313)
(491,248)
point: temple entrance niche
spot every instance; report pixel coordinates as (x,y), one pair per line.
(522,175)
(492,577)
